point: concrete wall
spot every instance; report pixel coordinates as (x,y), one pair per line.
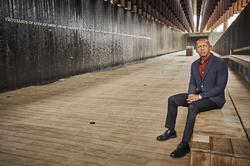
(42,41)
(237,36)
(213,37)
(191,38)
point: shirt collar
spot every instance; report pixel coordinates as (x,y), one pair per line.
(207,58)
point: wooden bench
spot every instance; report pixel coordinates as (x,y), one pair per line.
(240,64)
(219,139)
(219,151)
(241,49)
(189,51)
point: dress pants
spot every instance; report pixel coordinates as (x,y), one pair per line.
(202,105)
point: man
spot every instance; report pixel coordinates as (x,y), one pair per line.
(208,80)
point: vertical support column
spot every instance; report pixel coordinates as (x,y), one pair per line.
(139,7)
(225,25)
(134,6)
(128,5)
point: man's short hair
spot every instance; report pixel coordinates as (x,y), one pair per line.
(203,40)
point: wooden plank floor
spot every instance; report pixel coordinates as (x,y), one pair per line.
(50,125)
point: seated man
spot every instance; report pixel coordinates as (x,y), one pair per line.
(208,80)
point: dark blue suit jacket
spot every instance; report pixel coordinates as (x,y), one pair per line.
(214,82)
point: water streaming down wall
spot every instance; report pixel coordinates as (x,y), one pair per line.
(42,41)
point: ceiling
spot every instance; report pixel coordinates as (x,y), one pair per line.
(180,13)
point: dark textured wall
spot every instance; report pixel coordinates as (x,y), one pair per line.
(44,40)
(236,36)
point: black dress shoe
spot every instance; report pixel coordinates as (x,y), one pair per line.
(181,150)
(166,135)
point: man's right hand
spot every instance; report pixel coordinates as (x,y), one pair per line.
(193,97)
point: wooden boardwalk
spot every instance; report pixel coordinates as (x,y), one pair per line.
(50,124)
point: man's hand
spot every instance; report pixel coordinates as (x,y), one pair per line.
(193,97)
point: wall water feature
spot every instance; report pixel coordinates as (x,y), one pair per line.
(43,41)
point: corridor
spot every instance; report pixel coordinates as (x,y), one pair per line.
(86,82)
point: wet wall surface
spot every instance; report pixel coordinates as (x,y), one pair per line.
(42,41)
(236,37)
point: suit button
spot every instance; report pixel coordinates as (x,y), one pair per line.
(202,86)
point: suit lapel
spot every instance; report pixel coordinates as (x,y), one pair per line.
(209,66)
(197,74)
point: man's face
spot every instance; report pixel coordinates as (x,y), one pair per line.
(203,49)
